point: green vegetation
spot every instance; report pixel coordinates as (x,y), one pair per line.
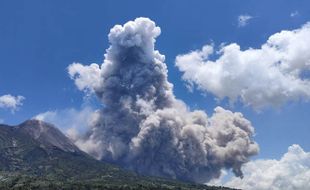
(22,182)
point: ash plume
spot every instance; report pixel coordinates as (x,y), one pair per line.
(143,127)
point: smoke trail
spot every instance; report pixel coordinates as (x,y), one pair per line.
(143,127)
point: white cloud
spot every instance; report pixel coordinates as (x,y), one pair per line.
(291,172)
(85,77)
(71,121)
(294,14)
(271,75)
(11,102)
(243,20)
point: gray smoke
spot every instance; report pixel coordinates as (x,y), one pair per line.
(143,127)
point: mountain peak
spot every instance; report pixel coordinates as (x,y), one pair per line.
(47,134)
(36,127)
(34,122)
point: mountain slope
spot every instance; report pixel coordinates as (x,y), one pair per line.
(35,154)
(38,148)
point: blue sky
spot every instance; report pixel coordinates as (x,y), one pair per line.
(39,39)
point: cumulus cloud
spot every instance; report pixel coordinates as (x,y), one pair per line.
(143,127)
(10,102)
(275,73)
(243,20)
(291,172)
(85,77)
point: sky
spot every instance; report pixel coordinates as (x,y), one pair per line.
(40,39)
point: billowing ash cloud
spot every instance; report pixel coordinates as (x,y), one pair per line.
(275,73)
(142,126)
(11,102)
